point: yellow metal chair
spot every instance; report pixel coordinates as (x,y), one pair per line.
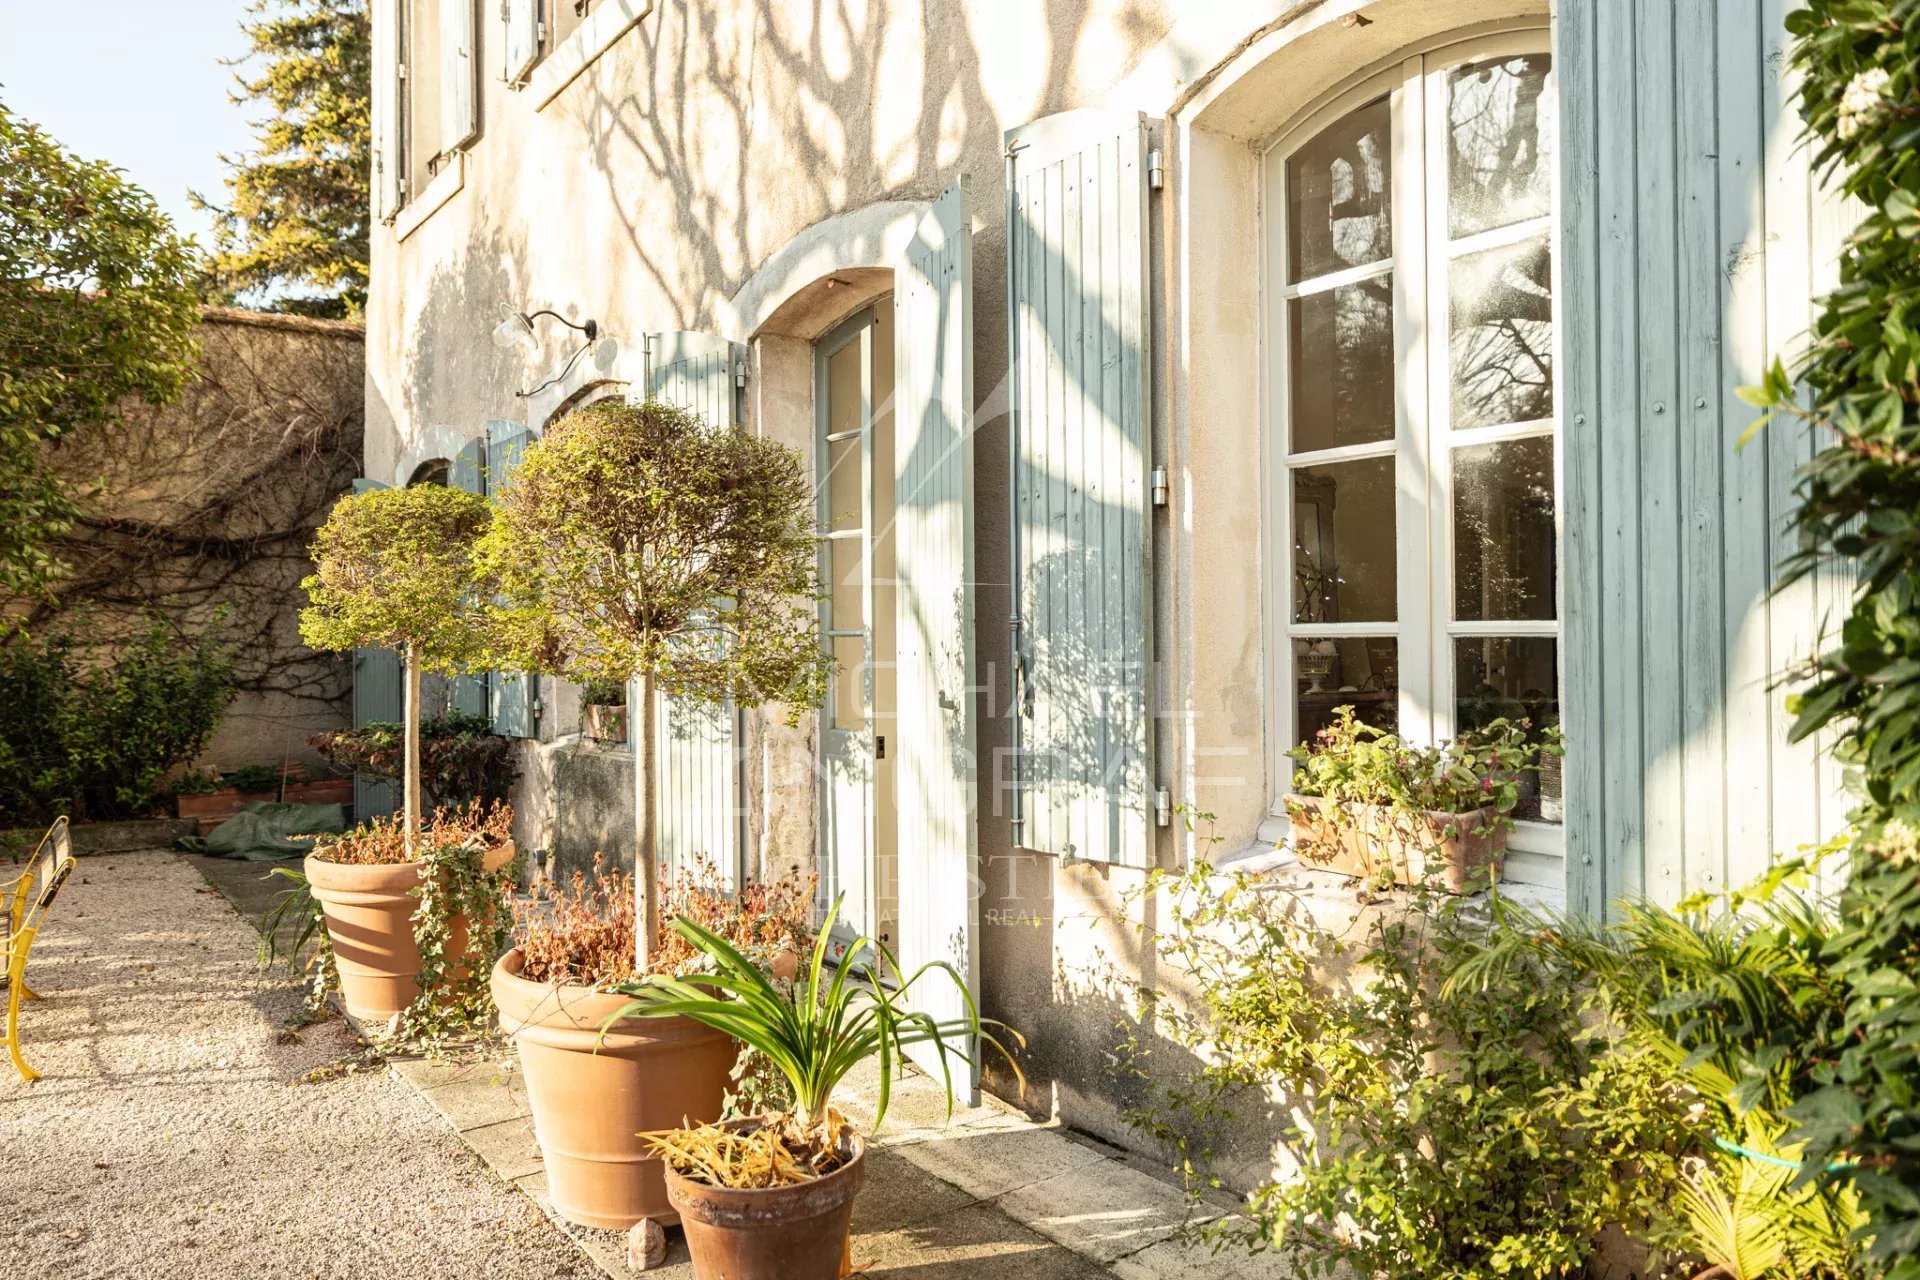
(33,892)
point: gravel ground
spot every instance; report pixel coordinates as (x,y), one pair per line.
(168,1137)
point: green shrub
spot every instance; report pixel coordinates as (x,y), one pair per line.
(462,761)
(603,693)
(1447,1131)
(94,738)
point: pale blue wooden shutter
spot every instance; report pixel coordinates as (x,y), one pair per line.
(521,37)
(388,163)
(459,120)
(510,693)
(696,745)
(377,694)
(468,471)
(935,764)
(1077,294)
(697,371)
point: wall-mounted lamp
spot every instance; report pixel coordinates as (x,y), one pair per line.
(516,331)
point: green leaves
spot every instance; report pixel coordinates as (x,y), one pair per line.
(96,306)
(824,1024)
(633,538)
(297,207)
(395,568)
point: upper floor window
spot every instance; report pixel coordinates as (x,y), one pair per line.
(1411,323)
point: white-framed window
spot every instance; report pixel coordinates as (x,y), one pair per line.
(1410,329)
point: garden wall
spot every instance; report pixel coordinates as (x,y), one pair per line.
(206,510)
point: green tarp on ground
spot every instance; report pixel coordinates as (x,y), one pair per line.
(269,832)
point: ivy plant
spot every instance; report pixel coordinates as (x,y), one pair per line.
(394,568)
(633,540)
(1858,388)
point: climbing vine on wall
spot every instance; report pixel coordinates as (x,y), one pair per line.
(1858,386)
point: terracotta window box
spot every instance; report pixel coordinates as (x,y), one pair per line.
(1462,852)
(211,808)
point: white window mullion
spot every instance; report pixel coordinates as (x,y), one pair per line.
(1439,439)
(1415,353)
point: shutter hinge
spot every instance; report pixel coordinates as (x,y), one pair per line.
(1156,170)
(1163,808)
(1161,490)
(540,33)
(740,373)
(400,68)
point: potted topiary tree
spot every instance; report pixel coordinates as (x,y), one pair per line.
(394,568)
(634,541)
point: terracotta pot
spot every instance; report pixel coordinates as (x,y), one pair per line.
(593,1097)
(1464,852)
(369,913)
(779,1233)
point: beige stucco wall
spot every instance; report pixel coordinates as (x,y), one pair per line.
(723,160)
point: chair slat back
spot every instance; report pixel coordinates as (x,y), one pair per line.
(52,864)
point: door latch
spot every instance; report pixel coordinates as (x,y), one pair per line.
(880,746)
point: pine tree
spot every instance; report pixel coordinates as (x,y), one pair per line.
(295,224)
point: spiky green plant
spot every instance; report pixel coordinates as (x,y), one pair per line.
(822,1025)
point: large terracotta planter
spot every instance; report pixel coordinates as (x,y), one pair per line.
(1464,852)
(778,1233)
(369,913)
(604,723)
(593,1097)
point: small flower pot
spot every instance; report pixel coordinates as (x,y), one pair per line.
(604,723)
(593,1095)
(777,1233)
(369,914)
(1462,852)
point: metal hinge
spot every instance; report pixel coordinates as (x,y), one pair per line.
(1161,490)
(1163,808)
(401,68)
(740,373)
(1156,170)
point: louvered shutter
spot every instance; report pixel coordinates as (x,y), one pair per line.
(521,19)
(933,612)
(468,471)
(377,695)
(697,371)
(510,693)
(459,119)
(1078,332)
(696,751)
(388,164)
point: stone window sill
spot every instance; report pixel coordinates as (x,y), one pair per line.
(589,40)
(444,186)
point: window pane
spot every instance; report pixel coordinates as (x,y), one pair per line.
(843,563)
(1499,143)
(1513,677)
(1340,350)
(1339,209)
(843,483)
(849,694)
(1500,307)
(1343,546)
(1503,542)
(844,409)
(1362,672)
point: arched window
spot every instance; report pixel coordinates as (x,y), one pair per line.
(432,471)
(1410,325)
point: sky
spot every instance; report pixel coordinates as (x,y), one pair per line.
(137,83)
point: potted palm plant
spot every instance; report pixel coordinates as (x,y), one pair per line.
(770,1197)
